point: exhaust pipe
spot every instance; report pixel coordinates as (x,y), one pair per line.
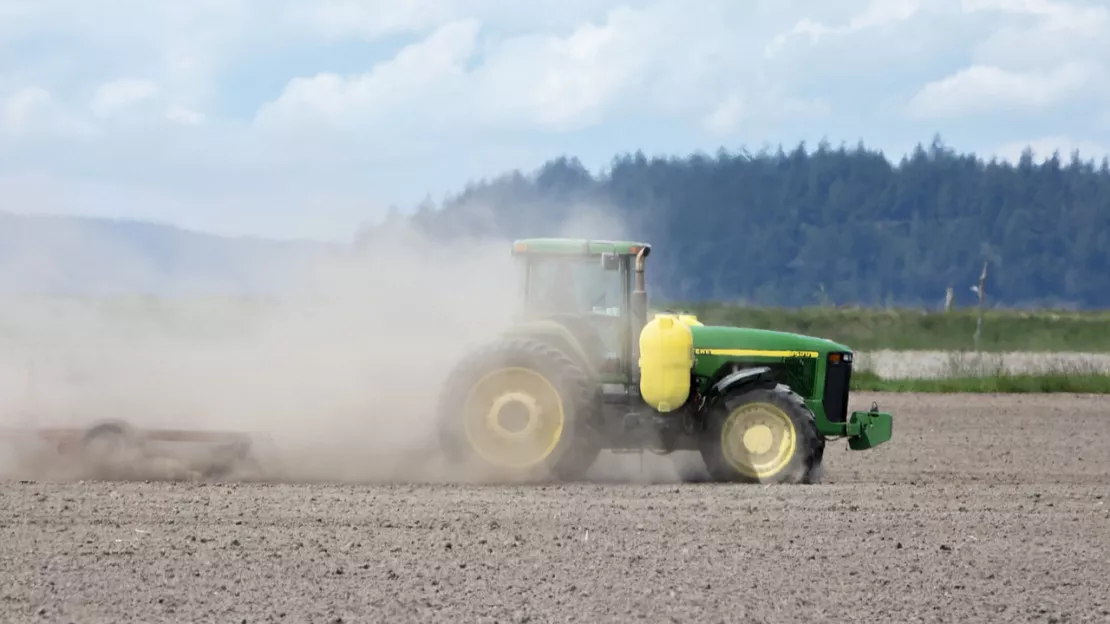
(639,313)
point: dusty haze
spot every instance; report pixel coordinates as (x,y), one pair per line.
(341,376)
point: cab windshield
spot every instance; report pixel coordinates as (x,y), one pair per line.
(574,285)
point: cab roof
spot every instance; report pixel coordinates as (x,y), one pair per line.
(577,246)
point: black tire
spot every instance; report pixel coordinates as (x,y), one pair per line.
(578,444)
(800,464)
(111,448)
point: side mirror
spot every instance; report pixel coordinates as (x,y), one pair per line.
(610,261)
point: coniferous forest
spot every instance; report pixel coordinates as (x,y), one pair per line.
(831,225)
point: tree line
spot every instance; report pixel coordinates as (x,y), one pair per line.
(841,225)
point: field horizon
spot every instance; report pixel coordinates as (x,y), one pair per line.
(859,327)
(898,349)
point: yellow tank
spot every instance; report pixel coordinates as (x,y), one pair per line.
(666,357)
(689,319)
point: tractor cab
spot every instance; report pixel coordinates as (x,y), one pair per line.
(574,284)
(586,287)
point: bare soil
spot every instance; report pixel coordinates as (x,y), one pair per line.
(982,508)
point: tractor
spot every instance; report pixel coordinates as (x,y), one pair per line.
(584,369)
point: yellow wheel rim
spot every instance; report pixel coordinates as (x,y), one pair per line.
(513,418)
(758,440)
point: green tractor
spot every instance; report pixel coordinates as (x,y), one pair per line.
(584,370)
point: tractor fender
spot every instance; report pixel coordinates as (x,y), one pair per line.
(740,378)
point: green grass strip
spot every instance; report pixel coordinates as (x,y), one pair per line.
(868,329)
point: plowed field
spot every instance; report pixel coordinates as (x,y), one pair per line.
(982,508)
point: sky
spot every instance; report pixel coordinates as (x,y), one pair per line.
(306,119)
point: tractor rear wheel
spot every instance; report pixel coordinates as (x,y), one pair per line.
(111,448)
(764,434)
(522,409)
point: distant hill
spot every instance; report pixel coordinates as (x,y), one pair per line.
(59,255)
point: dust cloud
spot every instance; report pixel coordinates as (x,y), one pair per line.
(337,378)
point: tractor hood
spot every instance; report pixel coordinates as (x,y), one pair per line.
(747,339)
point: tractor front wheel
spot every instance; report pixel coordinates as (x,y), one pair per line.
(522,409)
(765,434)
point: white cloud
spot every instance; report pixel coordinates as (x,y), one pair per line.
(1031,7)
(569,82)
(370,19)
(184,116)
(25,109)
(418,71)
(876,14)
(1040,34)
(119,95)
(32,112)
(546,80)
(985,90)
(371,102)
(882,12)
